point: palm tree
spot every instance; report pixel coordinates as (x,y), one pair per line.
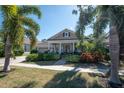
(101,17)
(114,17)
(16,24)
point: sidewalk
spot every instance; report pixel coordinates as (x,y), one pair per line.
(61,68)
(18,59)
(64,68)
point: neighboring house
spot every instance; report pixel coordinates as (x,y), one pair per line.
(42,46)
(26,45)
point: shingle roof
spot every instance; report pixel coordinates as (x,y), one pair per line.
(42,44)
(59,36)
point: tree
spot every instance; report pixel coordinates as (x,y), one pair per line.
(16,24)
(114,17)
(85,18)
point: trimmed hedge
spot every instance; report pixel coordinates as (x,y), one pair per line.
(34,51)
(19,52)
(43,57)
(32,57)
(72,58)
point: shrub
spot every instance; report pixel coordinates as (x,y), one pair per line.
(101,50)
(87,57)
(1,53)
(56,57)
(72,58)
(32,57)
(1,49)
(19,51)
(91,57)
(51,56)
(88,46)
(42,57)
(34,51)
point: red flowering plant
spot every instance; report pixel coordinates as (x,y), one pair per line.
(91,57)
(93,52)
(87,57)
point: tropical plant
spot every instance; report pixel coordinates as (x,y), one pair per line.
(16,24)
(85,18)
(88,46)
(112,16)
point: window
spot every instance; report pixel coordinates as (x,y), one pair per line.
(66,34)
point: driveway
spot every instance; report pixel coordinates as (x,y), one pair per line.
(17,60)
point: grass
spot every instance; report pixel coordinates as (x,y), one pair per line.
(42,62)
(20,77)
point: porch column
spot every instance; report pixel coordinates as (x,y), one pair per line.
(49,46)
(73,47)
(60,48)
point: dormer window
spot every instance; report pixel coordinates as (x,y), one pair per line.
(66,34)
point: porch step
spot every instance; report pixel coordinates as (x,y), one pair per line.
(60,62)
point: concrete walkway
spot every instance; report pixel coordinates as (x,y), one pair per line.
(60,62)
(61,68)
(58,66)
(18,59)
(65,68)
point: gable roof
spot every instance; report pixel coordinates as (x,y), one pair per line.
(59,36)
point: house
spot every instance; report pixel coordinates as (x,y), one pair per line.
(42,46)
(62,42)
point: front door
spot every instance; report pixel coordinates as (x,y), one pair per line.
(66,48)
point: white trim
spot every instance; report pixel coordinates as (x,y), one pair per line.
(63,41)
(60,48)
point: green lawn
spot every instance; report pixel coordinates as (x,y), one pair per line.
(21,77)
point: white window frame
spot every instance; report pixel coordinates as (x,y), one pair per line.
(66,34)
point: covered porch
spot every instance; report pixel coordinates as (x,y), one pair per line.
(63,46)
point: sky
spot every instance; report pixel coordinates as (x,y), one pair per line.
(54,19)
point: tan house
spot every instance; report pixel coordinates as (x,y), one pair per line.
(62,42)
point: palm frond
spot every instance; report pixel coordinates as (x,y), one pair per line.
(32,36)
(30,23)
(26,10)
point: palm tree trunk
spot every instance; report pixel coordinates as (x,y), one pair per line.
(114,54)
(8,48)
